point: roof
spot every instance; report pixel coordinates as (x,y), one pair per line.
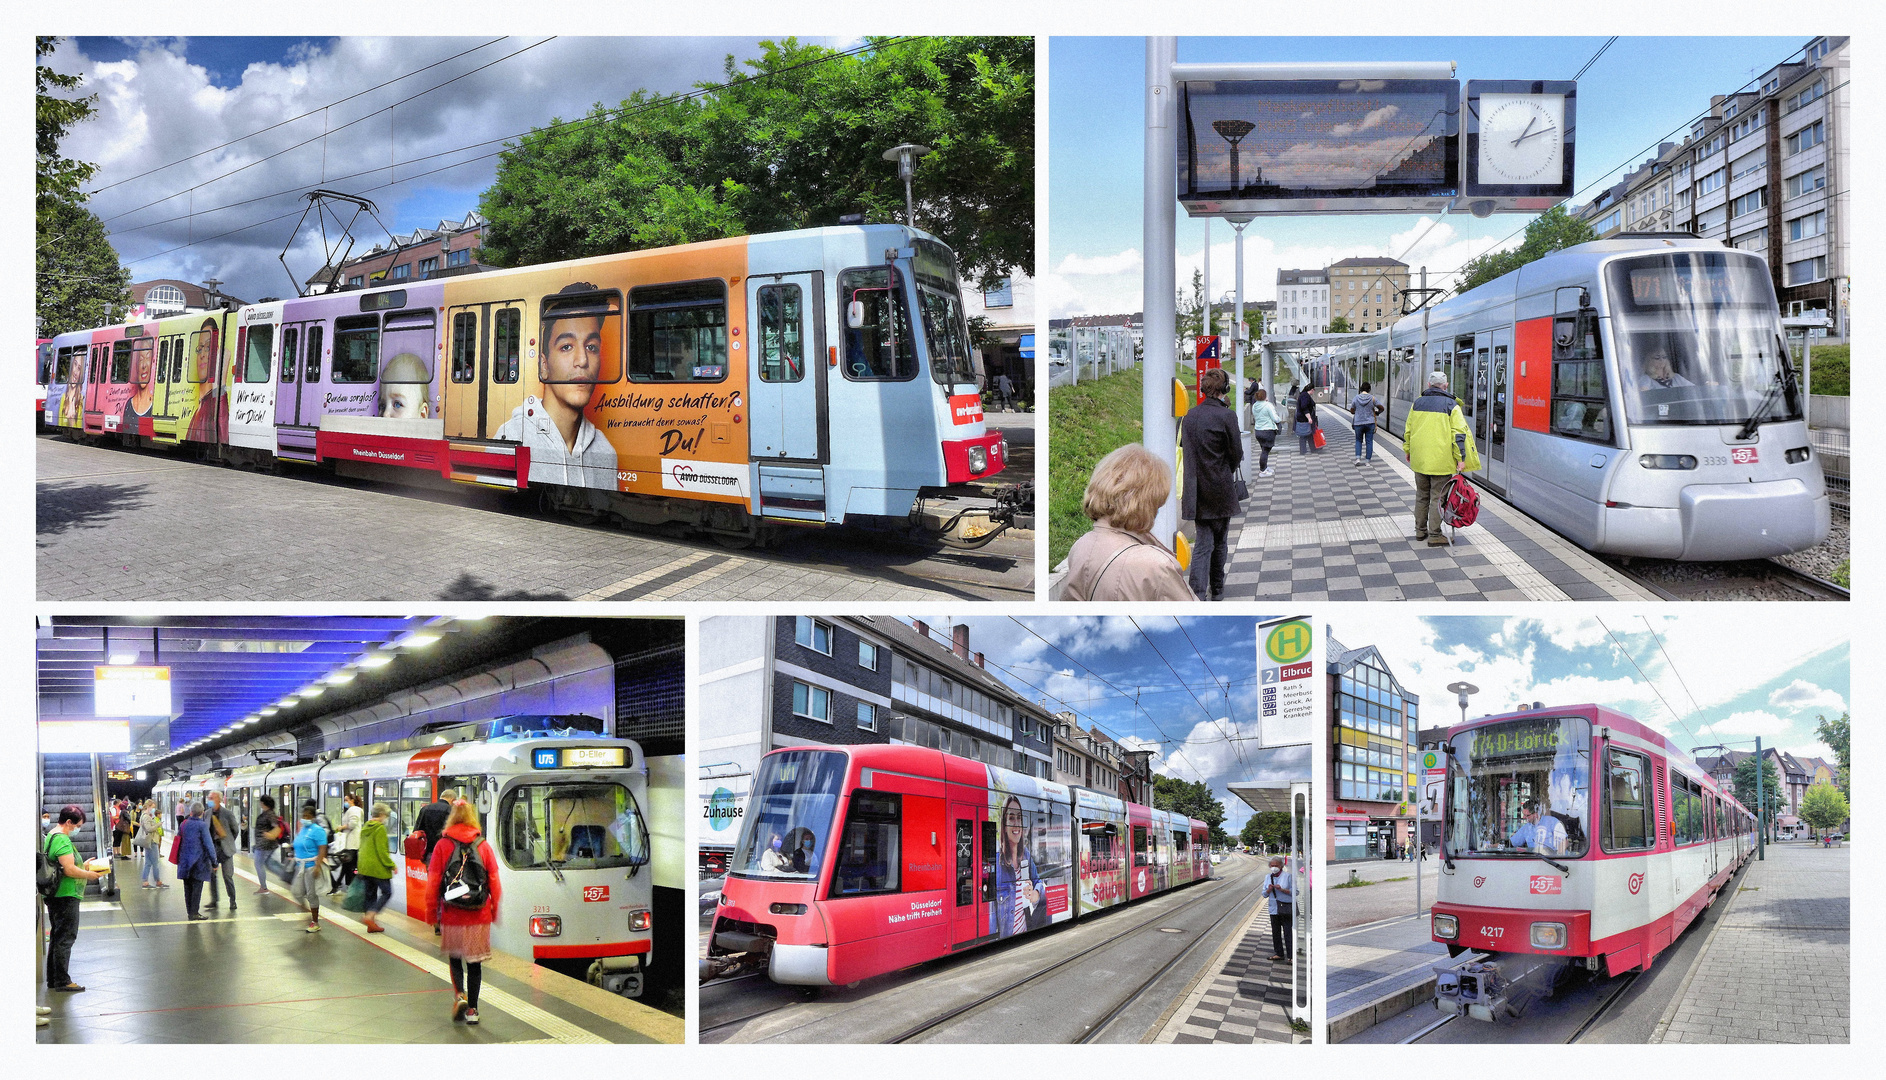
(1370,261)
(928,650)
(1302,277)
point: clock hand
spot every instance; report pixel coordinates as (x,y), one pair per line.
(1523,138)
(1522,134)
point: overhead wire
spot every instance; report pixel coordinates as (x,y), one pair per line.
(1236,749)
(1678,717)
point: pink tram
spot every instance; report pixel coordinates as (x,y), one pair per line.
(860,860)
(1572,837)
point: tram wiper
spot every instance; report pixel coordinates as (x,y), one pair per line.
(1555,864)
(1755,419)
(556,869)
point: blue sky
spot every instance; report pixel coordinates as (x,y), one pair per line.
(1700,676)
(228,213)
(1637,92)
(1063,661)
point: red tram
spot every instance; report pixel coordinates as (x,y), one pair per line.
(1572,836)
(855,861)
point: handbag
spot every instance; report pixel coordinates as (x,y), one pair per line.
(176,846)
(1317,440)
(356,898)
(1240,490)
(415,846)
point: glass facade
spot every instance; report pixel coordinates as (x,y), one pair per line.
(1372,722)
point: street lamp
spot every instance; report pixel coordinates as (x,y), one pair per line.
(1233,132)
(906,155)
(1464,690)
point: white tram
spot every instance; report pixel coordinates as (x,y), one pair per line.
(560,802)
(1634,394)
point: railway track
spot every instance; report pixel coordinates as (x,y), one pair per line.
(1746,579)
(1613,993)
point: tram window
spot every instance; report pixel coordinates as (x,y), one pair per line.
(387,791)
(464,346)
(572,826)
(678,333)
(1580,408)
(1142,846)
(781,344)
(882,346)
(121,362)
(944,330)
(1626,815)
(311,368)
(1179,840)
(965,862)
(256,360)
(291,340)
(868,859)
(163,362)
(467,787)
(507,329)
(65,362)
(356,349)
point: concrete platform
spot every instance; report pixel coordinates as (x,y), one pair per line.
(1323,528)
(1243,997)
(1377,970)
(253,975)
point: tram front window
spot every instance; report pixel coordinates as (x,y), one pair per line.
(1521,788)
(1699,340)
(572,826)
(789,815)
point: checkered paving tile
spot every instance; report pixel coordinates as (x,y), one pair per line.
(1247,1000)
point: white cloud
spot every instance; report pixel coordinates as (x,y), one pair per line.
(1803,696)
(1748,724)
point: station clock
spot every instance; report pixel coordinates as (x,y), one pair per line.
(1520,137)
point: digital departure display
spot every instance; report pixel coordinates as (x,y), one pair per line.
(1519,738)
(1259,146)
(579,757)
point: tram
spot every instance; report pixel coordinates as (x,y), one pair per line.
(856,861)
(807,378)
(1572,838)
(1634,394)
(560,802)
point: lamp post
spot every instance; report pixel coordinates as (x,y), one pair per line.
(1238,222)
(906,155)
(1464,690)
(1233,132)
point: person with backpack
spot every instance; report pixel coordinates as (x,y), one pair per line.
(374,865)
(310,856)
(464,873)
(62,883)
(269,833)
(1437,441)
(430,822)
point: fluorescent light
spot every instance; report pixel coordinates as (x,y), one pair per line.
(344,675)
(270,711)
(418,639)
(123,659)
(375,660)
(288,702)
(313,691)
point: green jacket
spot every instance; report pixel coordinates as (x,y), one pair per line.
(374,861)
(1430,436)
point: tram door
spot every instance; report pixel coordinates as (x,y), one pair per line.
(169,371)
(786,367)
(299,385)
(975,871)
(482,386)
(1497,404)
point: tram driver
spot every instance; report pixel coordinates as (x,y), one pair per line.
(1657,372)
(1539,831)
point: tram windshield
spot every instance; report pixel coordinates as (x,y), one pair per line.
(1700,340)
(789,815)
(940,297)
(572,826)
(1521,787)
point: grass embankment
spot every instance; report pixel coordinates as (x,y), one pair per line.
(1086,423)
(1827,370)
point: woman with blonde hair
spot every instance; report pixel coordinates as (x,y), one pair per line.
(1120,559)
(465,894)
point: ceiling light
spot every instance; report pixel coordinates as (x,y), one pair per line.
(288,702)
(313,691)
(375,660)
(344,675)
(124,658)
(270,711)
(418,639)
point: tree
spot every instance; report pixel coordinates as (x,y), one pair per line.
(1192,800)
(1190,311)
(1340,325)
(1266,827)
(1824,807)
(793,141)
(1836,733)
(78,280)
(1551,231)
(1771,787)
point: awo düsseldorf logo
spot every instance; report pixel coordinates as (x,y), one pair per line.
(678,474)
(1636,882)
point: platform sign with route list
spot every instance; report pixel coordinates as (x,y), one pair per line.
(124,690)
(1286,676)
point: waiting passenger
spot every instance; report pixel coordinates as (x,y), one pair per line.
(310,859)
(151,835)
(196,861)
(224,834)
(1657,372)
(1280,894)
(270,831)
(62,907)
(1540,832)
(1120,559)
(461,870)
(374,865)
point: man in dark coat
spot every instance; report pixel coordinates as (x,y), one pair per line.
(432,817)
(1213,451)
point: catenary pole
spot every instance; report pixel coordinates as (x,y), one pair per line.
(1158,427)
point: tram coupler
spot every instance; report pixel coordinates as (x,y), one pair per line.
(735,952)
(618,975)
(946,519)
(1493,985)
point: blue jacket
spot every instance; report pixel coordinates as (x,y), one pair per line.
(1008,894)
(196,855)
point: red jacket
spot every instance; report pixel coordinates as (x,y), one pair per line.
(457,916)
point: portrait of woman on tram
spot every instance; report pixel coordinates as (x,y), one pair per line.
(1019,896)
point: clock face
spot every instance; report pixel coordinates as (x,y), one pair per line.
(1522,138)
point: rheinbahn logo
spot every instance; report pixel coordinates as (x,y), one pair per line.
(1636,882)
(1479,881)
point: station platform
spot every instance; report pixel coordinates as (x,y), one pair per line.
(1377,970)
(1242,997)
(1777,967)
(251,974)
(1322,528)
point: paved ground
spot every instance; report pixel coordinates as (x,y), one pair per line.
(1245,999)
(1323,529)
(1778,966)
(118,525)
(1373,961)
(1385,899)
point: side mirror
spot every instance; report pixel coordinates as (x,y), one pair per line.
(854,315)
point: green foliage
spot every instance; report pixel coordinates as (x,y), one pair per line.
(1194,800)
(793,142)
(1838,734)
(78,280)
(1827,370)
(1771,786)
(1551,231)
(1270,827)
(1340,325)
(1843,577)
(1824,807)
(1087,422)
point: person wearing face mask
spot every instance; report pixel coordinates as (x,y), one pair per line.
(62,908)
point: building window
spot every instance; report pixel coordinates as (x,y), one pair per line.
(1746,164)
(1814,269)
(428,267)
(462,257)
(867,655)
(1806,139)
(867,716)
(1748,125)
(1813,224)
(1712,182)
(1749,203)
(356,282)
(1807,96)
(813,634)
(1609,223)
(1755,241)
(1003,295)
(813,702)
(400,272)
(1801,183)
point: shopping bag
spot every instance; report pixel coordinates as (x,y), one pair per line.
(356,898)
(1317,439)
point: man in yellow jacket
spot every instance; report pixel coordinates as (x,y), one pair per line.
(1436,440)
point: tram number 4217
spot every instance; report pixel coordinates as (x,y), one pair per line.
(1493,931)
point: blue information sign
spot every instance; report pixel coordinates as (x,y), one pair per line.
(544,757)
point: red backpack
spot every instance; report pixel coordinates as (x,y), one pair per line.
(1460,506)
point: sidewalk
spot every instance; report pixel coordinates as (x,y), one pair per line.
(1377,970)
(1778,967)
(1245,998)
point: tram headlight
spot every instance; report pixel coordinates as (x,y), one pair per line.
(546,926)
(1548,935)
(1446,927)
(1797,455)
(978,459)
(788,909)
(641,919)
(1667,461)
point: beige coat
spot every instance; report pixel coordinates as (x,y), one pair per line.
(1112,564)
